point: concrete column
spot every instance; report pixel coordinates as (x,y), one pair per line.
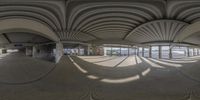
(170,53)
(104,52)
(142,51)
(111,52)
(4,51)
(34,52)
(159,52)
(59,51)
(193,52)
(79,51)
(150,53)
(188,51)
(128,51)
(88,50)
(137,51)
(120,51)
(0,51)
(28,51)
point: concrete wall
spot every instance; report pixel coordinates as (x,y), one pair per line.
(44,52)
(29,51)
(59,52)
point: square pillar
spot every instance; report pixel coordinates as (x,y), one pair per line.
(170,53)
(193,52)
(4,51)
(150,52)
(137,51)
(128,51)
(120,51)
(159,52)
(0,51)
(111,52)
(142,51)
(34,51)
(59,51)
(29,51)
(79,51)
(188,51)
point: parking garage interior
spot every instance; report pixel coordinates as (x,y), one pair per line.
(99,50)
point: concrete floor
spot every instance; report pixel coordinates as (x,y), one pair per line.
(99,78)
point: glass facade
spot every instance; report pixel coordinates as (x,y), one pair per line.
(155,51)
(179,52)
(163,52)
(132,51)
(195,51)
(115,51)
(140,51)
(191,52)
(124,51)
(146,52)
(118,51)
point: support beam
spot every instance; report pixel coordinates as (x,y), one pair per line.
(7,38)
(0,51)
(111,51)
(120,51)
(170,53)
(142,51)
(188,51)
(150,52)
(159,52)
(79,51)
(34,52)
(88,50)
(128,51)
(59,51)
(29,51)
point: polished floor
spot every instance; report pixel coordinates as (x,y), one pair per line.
(99,78)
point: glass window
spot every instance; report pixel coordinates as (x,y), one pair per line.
(198,51)
(155,51)
(195,52)
(179,52)
(146,52)
(140,51)
(191,52)
(132,51)
(116,51)
(81,51)
(165,52)
(107,51)
(124,51)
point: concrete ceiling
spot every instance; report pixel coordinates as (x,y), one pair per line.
(108,21)
(16,38)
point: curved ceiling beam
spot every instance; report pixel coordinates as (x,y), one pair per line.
(114,23)
(30,25)
(112,42)
(112,16)
(158,30)
(36,9)
(138,14)
(30,15)
(188,31)
(125,21)
(148,7)
(77,32)
(185,10)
